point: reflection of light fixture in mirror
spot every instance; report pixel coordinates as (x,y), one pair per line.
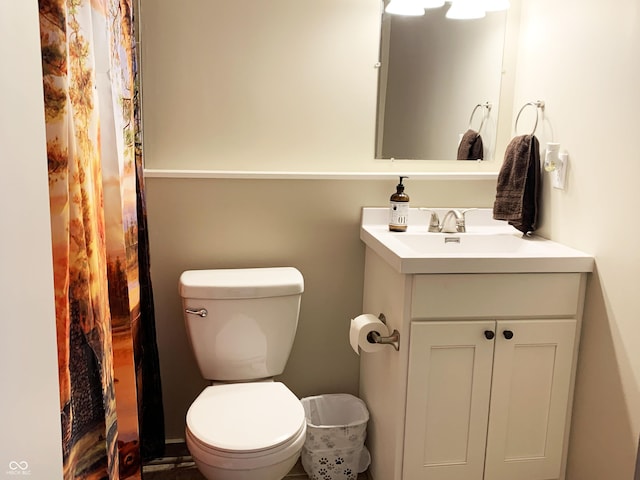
(495,5)
(431,3)
(405,7)
(465,10)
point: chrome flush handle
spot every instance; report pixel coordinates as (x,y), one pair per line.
(201,312)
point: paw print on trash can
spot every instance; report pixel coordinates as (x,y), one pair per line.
(336,429)
(349,474)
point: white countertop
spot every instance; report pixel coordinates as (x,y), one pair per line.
(488,246)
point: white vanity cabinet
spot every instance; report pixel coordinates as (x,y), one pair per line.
(482,405)
(481,388)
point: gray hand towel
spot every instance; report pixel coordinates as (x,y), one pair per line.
(471,146)
(518,186)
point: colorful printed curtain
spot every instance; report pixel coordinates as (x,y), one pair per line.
(105,327)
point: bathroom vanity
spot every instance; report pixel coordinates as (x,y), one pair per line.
(481,386)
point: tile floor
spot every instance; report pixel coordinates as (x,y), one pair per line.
(178,465)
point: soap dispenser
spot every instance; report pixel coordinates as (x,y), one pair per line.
(399,209)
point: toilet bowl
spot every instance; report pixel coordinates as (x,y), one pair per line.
(241,324)
(246,431)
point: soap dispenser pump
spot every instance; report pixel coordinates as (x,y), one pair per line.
(399,209)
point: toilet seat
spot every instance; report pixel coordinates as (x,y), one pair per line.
(251,423)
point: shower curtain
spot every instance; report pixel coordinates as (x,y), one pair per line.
(110,400)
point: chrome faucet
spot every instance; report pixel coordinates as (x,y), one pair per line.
(453,222)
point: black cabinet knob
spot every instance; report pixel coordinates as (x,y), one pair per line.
(508,334)
(488,334)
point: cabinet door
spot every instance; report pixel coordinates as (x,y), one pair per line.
(448,390)
(529,399)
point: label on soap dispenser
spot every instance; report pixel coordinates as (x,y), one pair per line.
(399,214)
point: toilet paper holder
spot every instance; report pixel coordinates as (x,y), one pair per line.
(393,339)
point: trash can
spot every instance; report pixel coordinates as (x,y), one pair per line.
(336,428)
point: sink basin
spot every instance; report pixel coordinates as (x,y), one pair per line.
(461,244)
(488,246)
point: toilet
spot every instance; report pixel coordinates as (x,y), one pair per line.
(241,324)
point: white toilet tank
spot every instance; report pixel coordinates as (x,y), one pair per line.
(241,323)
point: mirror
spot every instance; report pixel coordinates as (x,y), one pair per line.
(438,78)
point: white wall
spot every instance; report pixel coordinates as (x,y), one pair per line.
(30,442)
(268,85)
(583,59)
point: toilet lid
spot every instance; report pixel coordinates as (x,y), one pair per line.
(245,417)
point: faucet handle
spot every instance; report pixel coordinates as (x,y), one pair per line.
(462,224)
(434,221)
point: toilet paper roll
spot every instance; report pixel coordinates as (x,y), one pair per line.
(363,325)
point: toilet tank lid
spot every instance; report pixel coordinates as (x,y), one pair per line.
(236,283)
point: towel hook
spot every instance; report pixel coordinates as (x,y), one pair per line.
(539,105)
(485,114)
